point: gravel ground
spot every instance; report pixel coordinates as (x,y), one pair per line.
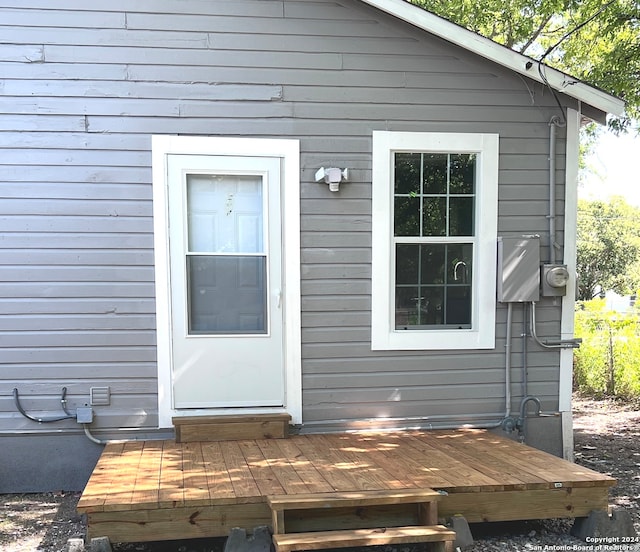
(607,439)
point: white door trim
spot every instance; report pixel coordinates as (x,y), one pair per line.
(289,152)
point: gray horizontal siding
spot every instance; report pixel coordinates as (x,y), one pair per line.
(92,373)
(83,90)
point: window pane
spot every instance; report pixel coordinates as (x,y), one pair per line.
(462,174)
(407,173)
(427,294)
(435,173)
(224,213)
(459,263)
(407,307)
(420,264)
(461,219)
(432,261)
(459,306)
(433,281)
(419,307)
(432,311)
(435,216)
(407,264)
(406,216)
(226,294)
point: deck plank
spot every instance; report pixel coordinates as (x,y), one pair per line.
(171,492)
(288,478)
(456,472)
(515,475)
(420,472)
(126,466)
(241,477)
(196,486)
(263,475)
(326,462)
(147,485)
(533,464)
(313,478)
(377,447)
(561,471)
(499,470)
(101,480)
(218,479)
(357,452)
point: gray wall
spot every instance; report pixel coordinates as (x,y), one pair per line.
(82,92)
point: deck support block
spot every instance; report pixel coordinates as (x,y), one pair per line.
(100,544)
(600,524)
(460,525)
(238,541)
(75,545)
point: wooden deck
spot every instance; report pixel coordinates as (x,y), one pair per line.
(161,490)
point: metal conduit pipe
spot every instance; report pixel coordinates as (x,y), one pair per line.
(525,365)
(554,123)
(507,362)
(67,416)
(93,439)
(444,423)
(557,344)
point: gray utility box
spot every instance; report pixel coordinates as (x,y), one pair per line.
(518,269)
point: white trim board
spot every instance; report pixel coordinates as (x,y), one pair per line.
(289,152)
(568,301)
(497,53)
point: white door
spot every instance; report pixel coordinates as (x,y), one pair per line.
(225,281)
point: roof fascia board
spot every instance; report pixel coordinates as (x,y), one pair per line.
(502,55)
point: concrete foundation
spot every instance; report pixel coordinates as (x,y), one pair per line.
(544,433)
(45,463)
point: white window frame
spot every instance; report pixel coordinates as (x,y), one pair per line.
(481,335)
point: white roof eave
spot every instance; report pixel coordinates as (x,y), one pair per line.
(497,53)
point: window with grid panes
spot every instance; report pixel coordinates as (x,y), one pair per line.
(434,240)
(434,228)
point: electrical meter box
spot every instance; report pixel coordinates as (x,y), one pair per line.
(554,280)
(519,269)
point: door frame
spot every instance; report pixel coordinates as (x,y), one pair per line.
(289,153)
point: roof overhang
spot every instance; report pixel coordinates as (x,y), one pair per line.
(502,55)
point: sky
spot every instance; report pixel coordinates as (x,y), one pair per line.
(613,168)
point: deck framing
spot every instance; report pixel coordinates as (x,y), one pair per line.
(161,490)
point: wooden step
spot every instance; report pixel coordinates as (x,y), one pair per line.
(310,508)
(321,540)
(356,498)
(231,428)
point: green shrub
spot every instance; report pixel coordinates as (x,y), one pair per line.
(608,361)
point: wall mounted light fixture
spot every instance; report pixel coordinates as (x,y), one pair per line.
(332,176)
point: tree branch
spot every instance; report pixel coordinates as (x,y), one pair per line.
(536,34)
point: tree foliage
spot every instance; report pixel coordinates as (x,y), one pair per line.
(593,40)
(608,247)
(608,361)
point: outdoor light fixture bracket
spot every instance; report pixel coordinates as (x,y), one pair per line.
(332,176)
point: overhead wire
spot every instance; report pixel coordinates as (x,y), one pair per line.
(542,67)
